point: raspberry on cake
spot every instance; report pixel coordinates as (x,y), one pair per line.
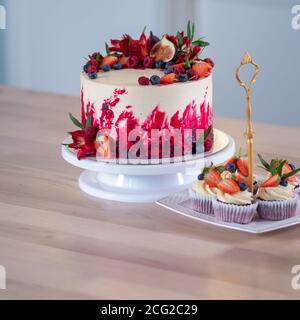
(167,86)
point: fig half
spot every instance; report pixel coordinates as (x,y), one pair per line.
(163,50)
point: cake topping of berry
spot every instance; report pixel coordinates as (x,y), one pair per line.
(117,66)
(148,62)
(183,77)
(132,62)
(272,181)
(109,60)
(280,172)
(168,78)
(155,79)
(178,54)
(228,186)
(212,176)
(238,164)
(106,68)
(242,166)
(144,81)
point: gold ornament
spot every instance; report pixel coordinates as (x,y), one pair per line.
(249,134)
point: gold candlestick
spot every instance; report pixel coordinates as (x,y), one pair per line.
(247,59)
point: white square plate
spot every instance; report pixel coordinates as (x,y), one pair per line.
(181,203)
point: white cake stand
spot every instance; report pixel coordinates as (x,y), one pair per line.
(145,182)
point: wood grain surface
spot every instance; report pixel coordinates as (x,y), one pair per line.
(57,243)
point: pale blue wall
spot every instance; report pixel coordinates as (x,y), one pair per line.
(264,29)
(46,40)
(2,53)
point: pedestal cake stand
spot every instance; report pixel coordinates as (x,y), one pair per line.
(145,182)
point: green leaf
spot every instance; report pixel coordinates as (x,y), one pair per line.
(200,43)
(88,119)
(193,32)
(263,162)
(206,170)
(290,174)
(280,167)
(187,63)
(221,169)
(205,135)
(75,121)
(107,49)
(144,30)
(272,167)
(189,33)
(180,40)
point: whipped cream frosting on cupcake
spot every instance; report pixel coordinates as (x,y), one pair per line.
(276,193)
(239,198)
(203,188)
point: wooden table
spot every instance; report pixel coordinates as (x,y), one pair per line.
(56,242)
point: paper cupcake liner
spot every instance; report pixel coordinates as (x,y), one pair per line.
(228,212)
(277,210)
(201,203)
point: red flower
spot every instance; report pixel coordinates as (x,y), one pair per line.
(121,45)
(131,47)
(84,142)
(91,69)
(93,62)
(196,50)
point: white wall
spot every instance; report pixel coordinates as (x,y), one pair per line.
(263,27)
(45,43)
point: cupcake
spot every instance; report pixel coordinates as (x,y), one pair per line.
(276,195)
(204,189)
(234,202)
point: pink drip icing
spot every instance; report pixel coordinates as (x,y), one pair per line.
(191,119)
(83,113)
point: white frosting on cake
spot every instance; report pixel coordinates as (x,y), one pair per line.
(143,99)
